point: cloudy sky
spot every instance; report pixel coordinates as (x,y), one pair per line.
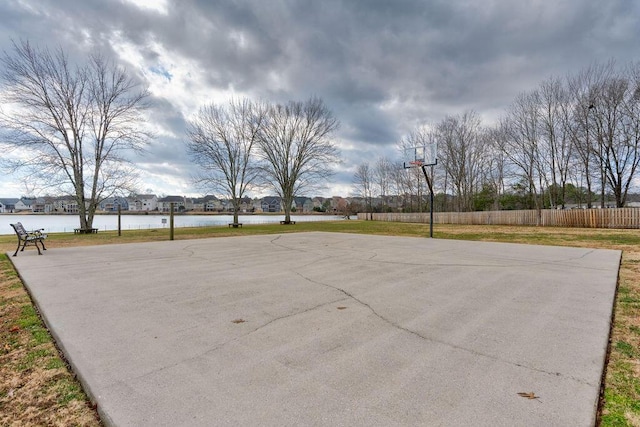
(382,66)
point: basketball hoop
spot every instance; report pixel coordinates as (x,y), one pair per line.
(421,157)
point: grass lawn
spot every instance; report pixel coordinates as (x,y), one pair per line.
(37,388)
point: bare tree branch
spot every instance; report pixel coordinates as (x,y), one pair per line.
(297,149)
(71,125)
(222,142)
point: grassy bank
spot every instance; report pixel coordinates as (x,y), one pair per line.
(36,387)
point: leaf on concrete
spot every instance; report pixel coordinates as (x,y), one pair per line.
(341,308)
(530,395)
(238,321)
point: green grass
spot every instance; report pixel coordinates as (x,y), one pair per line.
(620,396)
(54,363)
(626,349)
(67,390)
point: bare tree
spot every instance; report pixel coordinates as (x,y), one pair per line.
(496,164)
(382,175)
(521,145)
(297,149)
(399,185)
(459,141)
(70,126)
(363,182)
(553,98)
(616,110)
(581,125)
(221,141)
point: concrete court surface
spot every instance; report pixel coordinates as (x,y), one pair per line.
(330,329)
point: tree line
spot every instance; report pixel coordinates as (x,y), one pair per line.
(70,127)
(569,140)
(246,144)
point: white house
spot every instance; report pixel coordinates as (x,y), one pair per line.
(143,203)
(8,205)
(24,204)
(164,204)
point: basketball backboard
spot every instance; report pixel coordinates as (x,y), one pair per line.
(422,155)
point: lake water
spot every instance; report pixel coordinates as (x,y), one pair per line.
(66,223)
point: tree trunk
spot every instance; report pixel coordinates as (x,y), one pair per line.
(236,209)
(287,209)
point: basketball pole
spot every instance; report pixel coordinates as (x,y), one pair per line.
(426,176)
(419,156)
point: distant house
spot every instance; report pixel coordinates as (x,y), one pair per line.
(308,205)
(318,202)
(214,205)
(143,203)
(203,204)
(8,205)
(69,205)
(24,204)
(63,204)
(179,204)
(303,204)
(339,204)
(323,204)
(112,204)
(271,204)
(197,204)
(47,204)
(39,205)
(246,205)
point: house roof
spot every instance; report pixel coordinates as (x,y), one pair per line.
(205,199)
(142,197)
(271,199)
(172,199)
(9,201)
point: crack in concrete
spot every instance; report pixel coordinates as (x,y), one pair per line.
(286,316)
(348,295)
(431,339)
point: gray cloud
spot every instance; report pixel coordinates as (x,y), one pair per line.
(383,67)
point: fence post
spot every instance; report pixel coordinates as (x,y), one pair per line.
(171,221)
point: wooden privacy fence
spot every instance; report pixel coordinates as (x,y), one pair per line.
(582,218)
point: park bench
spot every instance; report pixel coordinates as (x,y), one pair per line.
(287,223)
(235,224)
(29,238)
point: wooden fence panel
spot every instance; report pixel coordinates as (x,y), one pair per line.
(579,218)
